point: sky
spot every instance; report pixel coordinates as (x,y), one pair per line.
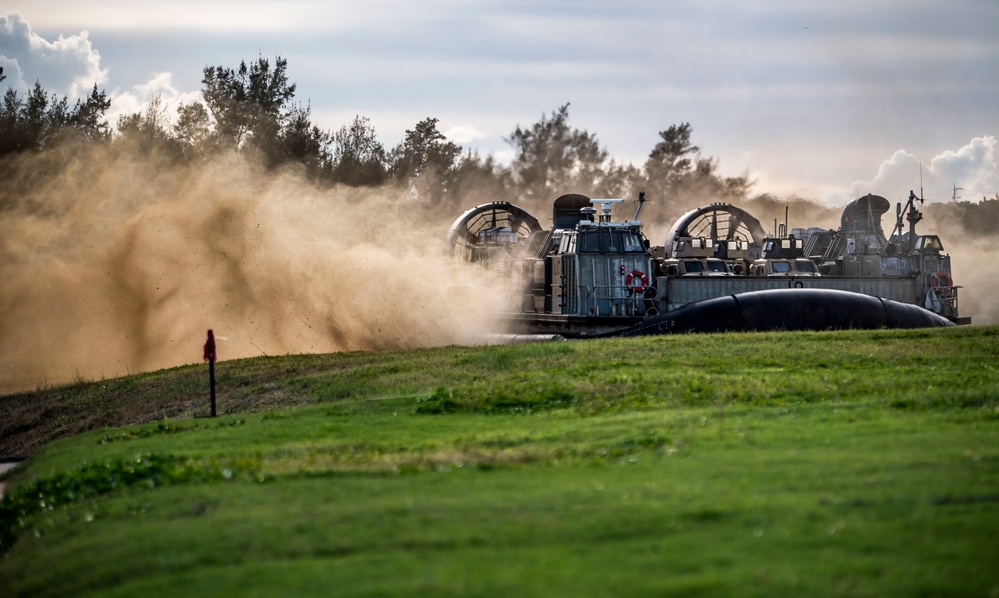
(824,100)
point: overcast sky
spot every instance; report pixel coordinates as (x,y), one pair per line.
(828,100)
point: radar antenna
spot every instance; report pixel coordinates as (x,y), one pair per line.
(605,207)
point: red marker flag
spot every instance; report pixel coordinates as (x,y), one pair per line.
(210,347)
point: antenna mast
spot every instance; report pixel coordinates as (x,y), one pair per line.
(641,200)
(920,183)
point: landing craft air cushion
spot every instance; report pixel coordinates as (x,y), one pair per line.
(590,276)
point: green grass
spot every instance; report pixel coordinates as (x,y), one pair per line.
(805,464)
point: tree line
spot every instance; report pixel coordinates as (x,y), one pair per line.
(252,109)
(976,218)
(40,119)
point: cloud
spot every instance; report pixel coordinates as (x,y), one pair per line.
(71,66)
(462,134)
(973,169)
(159,88)
(67,66)
(236,16)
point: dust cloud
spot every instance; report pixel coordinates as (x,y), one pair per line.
(113,263)
(973,262)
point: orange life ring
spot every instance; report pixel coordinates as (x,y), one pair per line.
(941,280)
(632,277)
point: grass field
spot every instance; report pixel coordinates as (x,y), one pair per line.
(801,464)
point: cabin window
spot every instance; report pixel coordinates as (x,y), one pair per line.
(693,266)
(632,242)
(590,242)
(804,266)
(715,266)
(606,240)
(781,267)
(931,242)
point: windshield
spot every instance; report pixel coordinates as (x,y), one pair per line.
(693,266)
(931,242)
(607,240)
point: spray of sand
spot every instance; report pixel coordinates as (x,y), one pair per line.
(112,264)
(973,259)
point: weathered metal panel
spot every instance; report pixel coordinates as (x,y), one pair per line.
(601,289)
(569,287)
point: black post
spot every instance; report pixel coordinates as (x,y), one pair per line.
(211,379)
(210,358)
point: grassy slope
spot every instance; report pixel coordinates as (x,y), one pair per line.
(863,463)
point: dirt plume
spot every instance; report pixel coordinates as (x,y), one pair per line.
(115,262)
(973,259)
